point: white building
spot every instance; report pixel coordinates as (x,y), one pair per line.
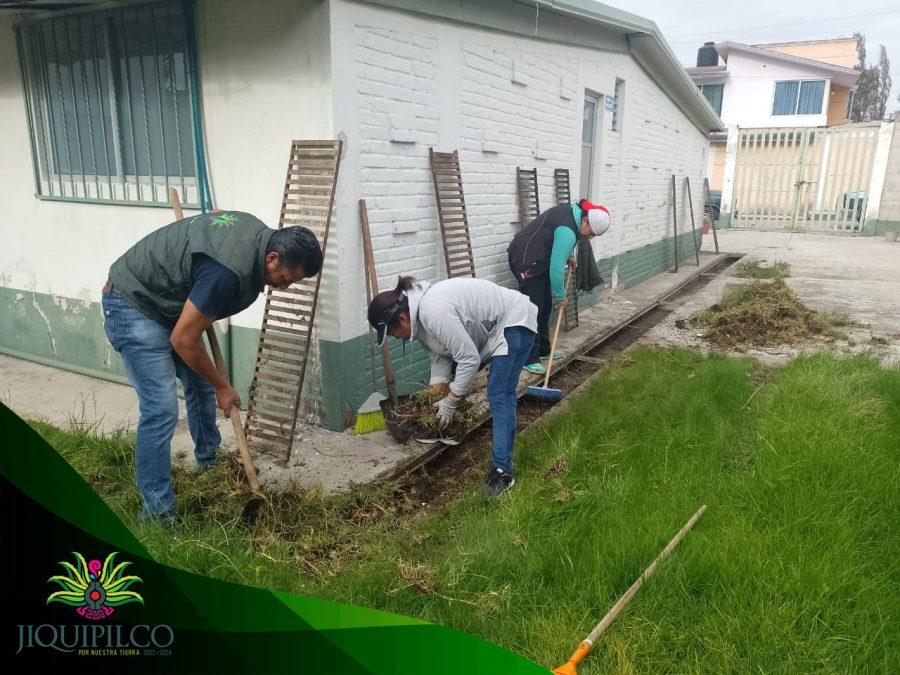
(788,84)
(119,96)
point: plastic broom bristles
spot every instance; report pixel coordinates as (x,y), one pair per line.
(368,422)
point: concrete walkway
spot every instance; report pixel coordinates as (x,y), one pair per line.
(333,460)
(855,276)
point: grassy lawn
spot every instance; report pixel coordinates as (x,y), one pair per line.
(793,568)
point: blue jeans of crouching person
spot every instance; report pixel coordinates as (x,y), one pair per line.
(152,367)
(502,381)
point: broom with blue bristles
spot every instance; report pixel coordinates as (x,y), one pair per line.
(548,393)
(369,417)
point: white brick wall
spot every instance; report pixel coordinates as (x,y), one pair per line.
(396,84)
(409,82)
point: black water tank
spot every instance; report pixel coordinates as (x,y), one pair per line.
(707,55)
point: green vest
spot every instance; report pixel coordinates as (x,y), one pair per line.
(154,275)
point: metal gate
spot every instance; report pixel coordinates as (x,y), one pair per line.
(803,179)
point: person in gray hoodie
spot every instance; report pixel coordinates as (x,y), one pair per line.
(469,322)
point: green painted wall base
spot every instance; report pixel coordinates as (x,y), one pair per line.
(879,227)
(349,380)
(68,333)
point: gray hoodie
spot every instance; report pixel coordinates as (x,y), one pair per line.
(463,320)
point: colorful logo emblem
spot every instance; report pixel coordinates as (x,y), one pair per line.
(224,220)
(93,588)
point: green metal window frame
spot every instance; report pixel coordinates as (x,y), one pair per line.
(91,130)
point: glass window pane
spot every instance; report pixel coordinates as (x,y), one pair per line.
(811,94)
(713,94)
(785,98)
(587,160)
(587,124)
(109,99)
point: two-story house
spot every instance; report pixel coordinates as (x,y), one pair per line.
(788,84)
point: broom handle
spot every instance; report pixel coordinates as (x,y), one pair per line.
(611,615)
(371,340)
(373,280)
(559,313)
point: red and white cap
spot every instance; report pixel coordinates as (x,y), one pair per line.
(598,217)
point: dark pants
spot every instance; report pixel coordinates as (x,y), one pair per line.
(538,291)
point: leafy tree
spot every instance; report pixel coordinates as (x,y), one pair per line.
(873,85)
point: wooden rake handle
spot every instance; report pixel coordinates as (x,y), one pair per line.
(568,668)
(235,415)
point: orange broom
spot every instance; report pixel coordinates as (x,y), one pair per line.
(569,667)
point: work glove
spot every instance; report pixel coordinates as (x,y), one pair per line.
(446,410)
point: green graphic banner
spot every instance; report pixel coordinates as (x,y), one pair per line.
(79,591)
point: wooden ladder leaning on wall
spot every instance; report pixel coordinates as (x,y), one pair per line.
(285,338)
(451,205)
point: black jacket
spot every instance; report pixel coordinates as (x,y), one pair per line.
(529,252)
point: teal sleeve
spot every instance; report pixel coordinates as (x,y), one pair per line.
(563,245)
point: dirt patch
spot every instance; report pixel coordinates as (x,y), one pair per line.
(765,313)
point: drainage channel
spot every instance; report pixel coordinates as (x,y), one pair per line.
(439,475)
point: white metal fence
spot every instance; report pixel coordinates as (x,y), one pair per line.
(798,179)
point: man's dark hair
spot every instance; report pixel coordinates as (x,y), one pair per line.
(297,246)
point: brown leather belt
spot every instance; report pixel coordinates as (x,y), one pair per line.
(108,287)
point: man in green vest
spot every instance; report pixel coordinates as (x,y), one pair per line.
(161,296)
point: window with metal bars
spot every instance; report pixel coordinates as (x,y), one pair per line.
(111,104)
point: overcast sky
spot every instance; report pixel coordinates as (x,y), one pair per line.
(687,24)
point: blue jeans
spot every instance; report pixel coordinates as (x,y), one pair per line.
(502,381)
(152,366)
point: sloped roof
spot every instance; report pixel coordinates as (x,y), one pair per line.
(839,74)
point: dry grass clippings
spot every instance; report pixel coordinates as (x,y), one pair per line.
(765,313)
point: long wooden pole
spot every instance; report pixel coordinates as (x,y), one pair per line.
(235,415)
(219,360)
(712,222)
(373,285)
(176,203)
(687,180)
(568,668)
(675,222)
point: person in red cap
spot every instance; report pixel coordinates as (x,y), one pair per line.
(538,256)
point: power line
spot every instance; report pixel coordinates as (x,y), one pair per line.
(786,23)
(790,36)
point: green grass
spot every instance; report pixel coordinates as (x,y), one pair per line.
(755,269)
(793,568)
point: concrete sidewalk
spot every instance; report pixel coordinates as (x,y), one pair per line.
(334,460)
(855,276)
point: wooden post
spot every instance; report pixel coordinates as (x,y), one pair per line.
(693,228)
(675,222)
